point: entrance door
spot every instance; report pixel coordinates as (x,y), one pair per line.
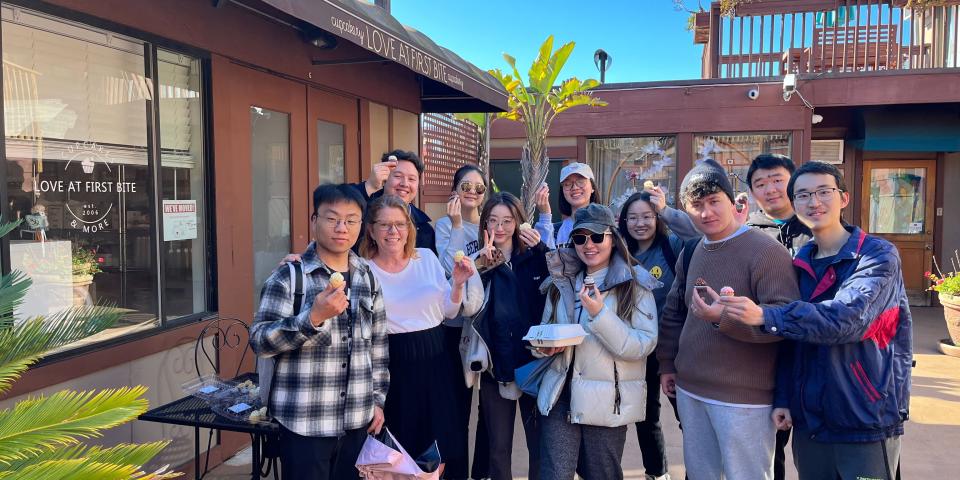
(898,205)
(333,149)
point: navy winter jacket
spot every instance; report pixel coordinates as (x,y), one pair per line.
(514,306)
(846,374)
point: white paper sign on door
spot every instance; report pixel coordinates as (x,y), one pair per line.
(179,220)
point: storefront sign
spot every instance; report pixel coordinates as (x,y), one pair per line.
(179,220)
(91,186)
(388,46)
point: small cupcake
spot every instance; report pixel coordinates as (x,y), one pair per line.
(726,292)
(336,280)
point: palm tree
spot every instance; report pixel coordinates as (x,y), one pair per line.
(536,104)
(40,437)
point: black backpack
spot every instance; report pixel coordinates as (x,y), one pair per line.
(688,248)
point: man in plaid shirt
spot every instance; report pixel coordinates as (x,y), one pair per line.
(331,359)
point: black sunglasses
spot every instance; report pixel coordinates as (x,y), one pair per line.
(581,238)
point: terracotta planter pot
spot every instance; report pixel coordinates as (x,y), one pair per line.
(951,313)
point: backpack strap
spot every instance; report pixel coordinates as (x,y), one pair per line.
(298,279)
(668,253)
(688,248)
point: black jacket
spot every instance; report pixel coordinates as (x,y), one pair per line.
(792,234)
(514,306)
(426,237)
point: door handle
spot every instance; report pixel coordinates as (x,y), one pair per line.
(928,247)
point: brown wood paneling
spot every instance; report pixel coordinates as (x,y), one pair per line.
(448,144)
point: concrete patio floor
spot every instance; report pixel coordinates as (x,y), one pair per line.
(932,433)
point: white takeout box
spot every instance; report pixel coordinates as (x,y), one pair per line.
(556,335)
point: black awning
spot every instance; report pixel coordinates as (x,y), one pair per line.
(449,83)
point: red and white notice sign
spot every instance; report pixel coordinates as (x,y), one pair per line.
(179,220)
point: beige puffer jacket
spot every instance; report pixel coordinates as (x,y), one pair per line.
(608,386)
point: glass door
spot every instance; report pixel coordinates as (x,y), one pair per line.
(333,141)
(897,204)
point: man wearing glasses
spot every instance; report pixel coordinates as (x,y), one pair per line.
(843,383)
(398,173)
(330,378)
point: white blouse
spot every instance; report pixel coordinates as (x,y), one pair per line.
(418,297)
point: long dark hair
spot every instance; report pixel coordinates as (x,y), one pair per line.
(660,233)
(512,203)
(567,209)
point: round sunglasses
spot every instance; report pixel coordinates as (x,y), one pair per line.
(478,188)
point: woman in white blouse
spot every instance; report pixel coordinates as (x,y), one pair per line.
(421,404)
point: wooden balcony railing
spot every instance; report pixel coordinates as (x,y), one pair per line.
(775,37)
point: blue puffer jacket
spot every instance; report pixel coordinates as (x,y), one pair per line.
(846,375)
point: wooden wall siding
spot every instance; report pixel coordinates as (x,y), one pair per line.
(448,144)
(775,37)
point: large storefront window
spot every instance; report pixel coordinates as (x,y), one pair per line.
(101,223)
(622,165)
(736,151)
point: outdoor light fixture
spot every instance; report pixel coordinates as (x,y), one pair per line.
(320,39)
(603,61)
(816,119)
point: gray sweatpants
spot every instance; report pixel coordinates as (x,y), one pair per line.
(722,442)
(562,444)
(846,461)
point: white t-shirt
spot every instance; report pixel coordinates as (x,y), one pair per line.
(417,297)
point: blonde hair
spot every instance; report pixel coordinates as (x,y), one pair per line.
(368,245)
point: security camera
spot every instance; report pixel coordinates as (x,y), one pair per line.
(789,82)
(753,93)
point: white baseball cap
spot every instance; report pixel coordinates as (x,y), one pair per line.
(578,168)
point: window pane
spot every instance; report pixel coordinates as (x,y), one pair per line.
(898,200)
(622,165)
(736,152)
(330,152)
(78,168)
(270,165)
(181,138)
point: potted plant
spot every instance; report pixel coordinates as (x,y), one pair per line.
(85,266)
(947,287)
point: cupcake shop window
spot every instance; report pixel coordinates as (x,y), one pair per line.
(108,218)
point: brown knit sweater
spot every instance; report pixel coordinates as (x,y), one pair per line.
(732,363)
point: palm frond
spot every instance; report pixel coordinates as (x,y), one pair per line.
(12,371)
(83,469)
(7,227)
(13,289)
(122,454)
(40,424)
(38,335)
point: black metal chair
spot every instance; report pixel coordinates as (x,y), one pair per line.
(232,334)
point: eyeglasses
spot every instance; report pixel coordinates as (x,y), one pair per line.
(569,184)
(581,238)
(478,188)
(633,219)
(333,222)
(494,223)
(386,227)
(824,195)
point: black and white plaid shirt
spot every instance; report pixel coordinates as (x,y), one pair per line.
(314,394)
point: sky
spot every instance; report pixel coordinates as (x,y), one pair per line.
(647,39)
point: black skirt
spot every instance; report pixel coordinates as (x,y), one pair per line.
(422,403)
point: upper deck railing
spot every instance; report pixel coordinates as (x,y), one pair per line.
(774,37)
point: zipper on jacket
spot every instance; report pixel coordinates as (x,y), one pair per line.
(616,386)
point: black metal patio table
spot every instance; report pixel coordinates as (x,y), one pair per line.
(194,412)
